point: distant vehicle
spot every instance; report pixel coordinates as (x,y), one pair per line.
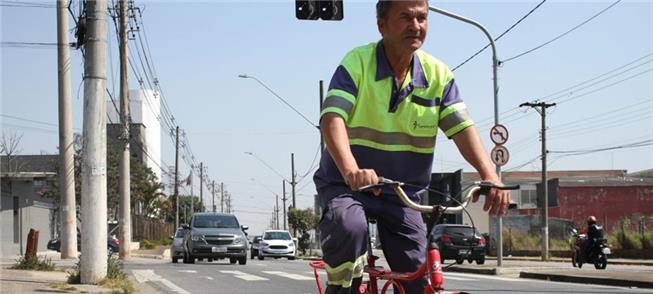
(598,254)
(215,236)
(277,243)
(256,244)
(113,244)
(459,242)
(177,246)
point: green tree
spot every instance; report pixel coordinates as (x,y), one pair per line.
(184,207)
(303,220)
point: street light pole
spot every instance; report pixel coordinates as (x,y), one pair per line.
(495,64)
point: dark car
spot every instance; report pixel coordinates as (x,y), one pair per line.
(460,243)
(256,244)
(215,236)
(113,244)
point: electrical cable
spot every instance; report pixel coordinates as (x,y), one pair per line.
(560,36)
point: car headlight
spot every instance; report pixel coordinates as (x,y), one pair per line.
(239,240)
(291,244)
(197,237)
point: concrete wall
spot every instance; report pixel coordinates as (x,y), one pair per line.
(34,212)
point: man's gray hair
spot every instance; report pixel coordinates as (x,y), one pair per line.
(383,6)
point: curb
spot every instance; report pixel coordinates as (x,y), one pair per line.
(567,260)
(583,279)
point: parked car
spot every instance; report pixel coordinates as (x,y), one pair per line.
(113,244)
(254,248)
(460,243)
(215,236)
(177,246)
(277,243)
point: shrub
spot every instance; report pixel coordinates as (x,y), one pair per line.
(147,244)
(74,276)
(647,241)
(628,240)
(165,241)
(33,263)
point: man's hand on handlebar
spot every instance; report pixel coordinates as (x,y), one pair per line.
(496,200)
(362,177)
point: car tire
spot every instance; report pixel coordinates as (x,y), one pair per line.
(480,260)
(233,260)
(242,260)
(209,259)
(291,258)
(174,260)
(470,260)
(189,259)
(260,257)
(459,260)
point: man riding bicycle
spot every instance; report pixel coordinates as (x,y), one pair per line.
(385,103)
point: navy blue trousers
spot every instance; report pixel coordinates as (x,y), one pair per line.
(344,231)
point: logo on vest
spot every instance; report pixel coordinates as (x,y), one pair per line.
(417,125)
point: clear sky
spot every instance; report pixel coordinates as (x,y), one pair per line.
(199,48)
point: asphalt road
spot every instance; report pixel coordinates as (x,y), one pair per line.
(283,276)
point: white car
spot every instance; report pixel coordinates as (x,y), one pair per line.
(277,243)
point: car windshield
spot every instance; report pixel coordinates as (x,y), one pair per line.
(459,231)
(215,221)
(180,233)
(276,236)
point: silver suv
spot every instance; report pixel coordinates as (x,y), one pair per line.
(215,236)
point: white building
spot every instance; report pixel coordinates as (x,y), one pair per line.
(145,109)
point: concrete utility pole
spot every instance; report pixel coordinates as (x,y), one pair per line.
(177,177)
(284,198)
(276,210)
(93,263)
(124,168)
(293,183)
(545,189)
(221,197)
(192,196)
(68,207)
(201,186)
(213,202)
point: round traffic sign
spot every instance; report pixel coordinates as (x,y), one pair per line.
(499,134)
(500,155)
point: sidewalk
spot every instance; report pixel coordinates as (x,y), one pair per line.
(29,281)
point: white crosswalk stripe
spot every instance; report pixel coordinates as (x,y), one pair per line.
(245,276)
(290,276)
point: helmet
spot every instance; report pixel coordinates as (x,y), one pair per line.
(591,220)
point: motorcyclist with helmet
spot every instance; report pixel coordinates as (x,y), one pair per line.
(594,236)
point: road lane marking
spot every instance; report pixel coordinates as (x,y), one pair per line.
(290,276)
(149,275)
(210,278)
(245,276)
(187,271)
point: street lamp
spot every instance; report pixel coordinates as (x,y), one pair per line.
(495,64)
(245,76)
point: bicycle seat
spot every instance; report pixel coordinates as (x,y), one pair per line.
(371,219)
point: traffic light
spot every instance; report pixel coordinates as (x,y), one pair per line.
(319,9)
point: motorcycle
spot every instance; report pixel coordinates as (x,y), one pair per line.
(597,255)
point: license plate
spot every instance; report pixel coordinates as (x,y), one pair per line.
(606,250)
(463,252)
(218,249)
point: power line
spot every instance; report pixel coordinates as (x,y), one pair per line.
(643,143)
(562,35)
(499,37)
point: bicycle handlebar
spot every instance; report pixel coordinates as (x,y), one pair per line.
(482,186)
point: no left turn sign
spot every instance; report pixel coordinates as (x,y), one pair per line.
(499,134)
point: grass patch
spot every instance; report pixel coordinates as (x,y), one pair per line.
(151,244)
(64,287)
(33,263)
(116,278)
